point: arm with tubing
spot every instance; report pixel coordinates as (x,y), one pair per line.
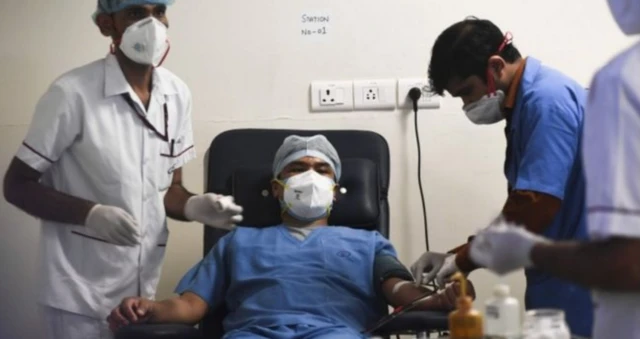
(397,286)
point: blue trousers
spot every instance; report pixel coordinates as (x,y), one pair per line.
(574,300)
(295,332)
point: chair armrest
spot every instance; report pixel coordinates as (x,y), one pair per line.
(416,321)
(158,331)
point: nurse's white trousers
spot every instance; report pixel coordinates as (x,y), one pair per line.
(59,324)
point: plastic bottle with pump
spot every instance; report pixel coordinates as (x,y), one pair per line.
(465,322)
(502,314)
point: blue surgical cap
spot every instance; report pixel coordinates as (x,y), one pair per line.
(295,147)
(112,6)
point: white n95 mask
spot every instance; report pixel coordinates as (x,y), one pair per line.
(146,42)
(487,110)
(627,15)
(308,196)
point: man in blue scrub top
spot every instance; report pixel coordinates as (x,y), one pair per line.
(543,109)
(300,279)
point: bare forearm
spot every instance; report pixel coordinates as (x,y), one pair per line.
(403,295)
(22,189)
(175,200)
(607,265)
(176,197)
(176,311)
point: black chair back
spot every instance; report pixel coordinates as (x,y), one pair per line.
(240,162)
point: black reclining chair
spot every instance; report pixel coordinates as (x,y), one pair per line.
(239,164)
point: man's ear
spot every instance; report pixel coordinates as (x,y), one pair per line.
(276,189)
(106,25)
(497,65)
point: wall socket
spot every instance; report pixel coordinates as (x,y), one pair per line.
(331,96)
(427,100)
(371,94)
(374,94)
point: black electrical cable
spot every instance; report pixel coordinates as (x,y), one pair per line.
(415,94)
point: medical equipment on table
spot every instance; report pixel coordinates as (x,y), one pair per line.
(502,314)
(465,322)
(545,324)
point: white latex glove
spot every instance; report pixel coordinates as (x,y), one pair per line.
(449,268)
(114,225)
(214,210)
(504,247)
(434,260)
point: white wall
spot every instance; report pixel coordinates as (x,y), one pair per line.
(248,66)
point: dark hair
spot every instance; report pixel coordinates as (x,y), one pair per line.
(464,49)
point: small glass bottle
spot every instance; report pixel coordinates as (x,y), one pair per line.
(545,324)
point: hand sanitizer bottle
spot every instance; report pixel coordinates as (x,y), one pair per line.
(502,314)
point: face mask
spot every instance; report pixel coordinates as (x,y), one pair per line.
(486,110)
(627,15)
(308,196)
(146,42)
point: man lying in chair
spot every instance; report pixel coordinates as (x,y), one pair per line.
(300,279)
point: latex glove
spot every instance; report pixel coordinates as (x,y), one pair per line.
(504,247)
(214,210)
(114,225)
(449,267)
(431,261)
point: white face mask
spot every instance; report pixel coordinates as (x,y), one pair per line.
(627,15)
(308,196)
(146,42)
(486,110)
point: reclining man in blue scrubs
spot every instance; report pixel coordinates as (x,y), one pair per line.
(300,279)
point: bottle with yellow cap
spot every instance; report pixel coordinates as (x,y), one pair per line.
(465,322)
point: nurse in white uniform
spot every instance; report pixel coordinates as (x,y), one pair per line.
(610,262)
(101,166)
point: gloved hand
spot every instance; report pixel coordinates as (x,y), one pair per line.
(449,267)
(114,225)
(213,210)
(504,247)
(433,262)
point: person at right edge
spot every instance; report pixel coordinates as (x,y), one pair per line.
(543,109)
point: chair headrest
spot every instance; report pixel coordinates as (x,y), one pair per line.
(356,203)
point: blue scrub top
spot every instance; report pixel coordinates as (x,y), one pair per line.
(268,278)
(544,156)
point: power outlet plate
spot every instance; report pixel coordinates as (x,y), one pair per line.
(331,96)
(427,100)
(374,94)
